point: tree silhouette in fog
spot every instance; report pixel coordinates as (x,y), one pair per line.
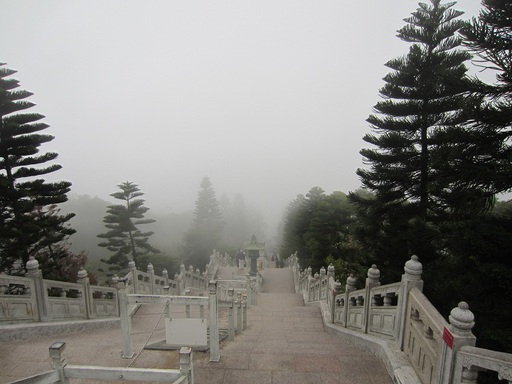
(124,239)
(205,233)
(30,224)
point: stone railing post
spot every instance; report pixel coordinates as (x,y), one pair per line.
(231,315)
(372,280)
(126,322)
(336,291)
(133,269)
(351,286)
(411,278)
(58,360)
(214,326)
(323,278)
(181,280)
(165,275)
(33,271)
(82,278)
(251,296)
(151,273)
(244,310)
(238,303)
(459,335)
(186,364)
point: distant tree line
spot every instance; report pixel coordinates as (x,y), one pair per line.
(440,152)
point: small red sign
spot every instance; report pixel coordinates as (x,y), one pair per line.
(448,337)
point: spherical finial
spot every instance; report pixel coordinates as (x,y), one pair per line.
(82,273)
(462,319)
(373,274)
(413,268)
(330,269)
(32,264)
(351,282)
(131,264)
(150,268)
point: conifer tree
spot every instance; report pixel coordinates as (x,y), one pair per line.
(124,239)
(205,234)
(489,37)
(29,226)
(423,97)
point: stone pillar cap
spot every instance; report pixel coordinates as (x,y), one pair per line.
(373,273)
(32,264)
(462,319)
(82,273)
(413,268)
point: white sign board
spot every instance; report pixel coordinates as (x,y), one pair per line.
(186,332)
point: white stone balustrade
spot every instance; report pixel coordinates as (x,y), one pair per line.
(440,352)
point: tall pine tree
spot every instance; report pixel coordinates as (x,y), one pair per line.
(423,97)
(124,239)
(29,225)
(205,234)
(489,37)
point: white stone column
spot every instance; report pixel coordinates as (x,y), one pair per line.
(58,360)
(83,278)
(458,335)
(126,322)
(43,306)
(372,280)
(411,278)
(214,326)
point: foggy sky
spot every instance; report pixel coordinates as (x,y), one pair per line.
(268,98)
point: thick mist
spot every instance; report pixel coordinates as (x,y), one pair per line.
(268,98)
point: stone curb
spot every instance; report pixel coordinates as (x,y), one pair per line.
(35,330)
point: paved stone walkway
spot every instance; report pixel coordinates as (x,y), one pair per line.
(283,343)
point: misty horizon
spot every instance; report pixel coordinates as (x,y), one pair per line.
(268,99)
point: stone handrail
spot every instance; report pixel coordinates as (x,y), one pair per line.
(472,359)
(440,351)
(35,299)
(62,371)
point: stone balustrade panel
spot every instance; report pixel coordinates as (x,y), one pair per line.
(383,313)
(17,299)
(65,300)
(470,360)
(104,301)
(423,341)
(355,309)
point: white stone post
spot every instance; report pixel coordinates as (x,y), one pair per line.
(58,360)
(133,269)
(84,280)
(250,294)
(244,310)
(187,364)
(126,322)
(238,303)
(151,272)
(231,315)
(351,286)
(372,280)
(459,335)
(411,278)
(214,326)
(33,271)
